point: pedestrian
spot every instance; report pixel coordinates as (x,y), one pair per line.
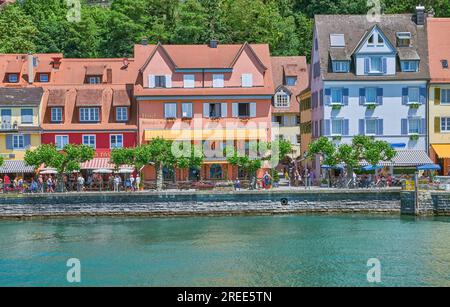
(138,182)
(237,184)
(41,184)
(267,180)
(307,177)
(133,188)
(80,183)
(6,183)
(116,183)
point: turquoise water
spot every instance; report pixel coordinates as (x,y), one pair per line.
(227,251)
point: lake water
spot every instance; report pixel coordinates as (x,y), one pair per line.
(227,251)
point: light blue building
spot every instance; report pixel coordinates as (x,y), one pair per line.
(370,78)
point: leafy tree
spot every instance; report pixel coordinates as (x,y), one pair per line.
(191,24)
(187,156)
(2,160)
(250,165)
(18,31)
(64,161)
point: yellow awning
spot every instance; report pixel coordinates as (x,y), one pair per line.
(207,134)
(442,150)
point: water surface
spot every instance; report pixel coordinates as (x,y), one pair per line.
(227,251)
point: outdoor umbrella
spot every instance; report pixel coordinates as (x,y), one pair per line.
(125,171)
(49,172)
(371,167)
(102,171)
(429,167)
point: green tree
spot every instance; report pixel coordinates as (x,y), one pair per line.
(187,156)
(2,160)
(18,31)
(191,24)
(64,161)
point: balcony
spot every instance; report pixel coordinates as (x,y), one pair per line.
(8,126)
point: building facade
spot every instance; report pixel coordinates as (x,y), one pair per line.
(439,91)
(370,78)
(210,95)
(290,76)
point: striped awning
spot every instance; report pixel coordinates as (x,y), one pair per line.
(406,158)
(97,163)
(15,166)
(206,134)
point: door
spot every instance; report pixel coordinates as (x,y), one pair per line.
(6,118)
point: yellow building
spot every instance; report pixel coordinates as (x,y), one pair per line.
(305,124)
(439,125)
(20,121)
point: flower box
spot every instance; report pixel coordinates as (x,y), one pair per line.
(414,137)
(337,137)
(371,106)
(414,105)
(336,106)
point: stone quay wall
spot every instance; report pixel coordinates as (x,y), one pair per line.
(200,203)
(430,203)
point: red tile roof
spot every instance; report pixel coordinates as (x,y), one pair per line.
(438,48)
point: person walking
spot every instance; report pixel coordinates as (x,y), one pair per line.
(80,183)
(267,180)
(116,183)
(307,177)
(137,182)
(6,183)
(41,184)
(132,185)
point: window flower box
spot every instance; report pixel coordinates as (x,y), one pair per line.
(414,137)
(337,137)
(371,106)
(336,106)
(171,119)
(414,105)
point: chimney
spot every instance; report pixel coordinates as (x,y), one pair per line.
(30,60)
(420,15)
(213,43)
(56,62)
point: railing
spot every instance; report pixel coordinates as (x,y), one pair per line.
(6,126)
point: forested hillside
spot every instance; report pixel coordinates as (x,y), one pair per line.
(111,31)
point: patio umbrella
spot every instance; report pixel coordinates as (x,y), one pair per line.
(371,167)
(429,167)
(339,166)
(102,171)
(49,172)
(125,171)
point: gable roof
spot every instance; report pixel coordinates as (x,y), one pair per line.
(355,28)
(439,48)
(367,35)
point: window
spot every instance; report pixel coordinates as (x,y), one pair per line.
(371,126)
(26,116)
(409,66)
(170,110)
(244,110)
(337,40)
(445,124)
(89,140)
(282,100)
(413,125)
(13,78)
(189,81)
(247,80)
(371,95)
(43,77)
(115,141)
(61,141)
(375,65)
(337,126)
(94,80)
(218,80)
(89,114)
(215,110)
(413,95)
(445,96)
(186,110)
(56,115)
(380,40)
(341,66)
(336,96)
(121,114)
(444,64)
(371,40)
(278,119)
(291,81)
(18,141)
(160,81)
(403,39)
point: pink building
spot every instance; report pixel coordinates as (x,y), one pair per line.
(212,95)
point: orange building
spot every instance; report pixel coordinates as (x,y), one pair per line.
(212,95)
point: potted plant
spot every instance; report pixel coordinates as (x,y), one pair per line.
(336,106)
(371,106)
(337,137)
(414,105)
(414,137)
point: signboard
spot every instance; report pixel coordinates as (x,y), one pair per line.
(409,185)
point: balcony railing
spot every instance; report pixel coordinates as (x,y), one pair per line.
(7,126)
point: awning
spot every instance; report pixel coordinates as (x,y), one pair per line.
(97,163)
(442,150)
(406,158)
(207,134)
(429,167)
(15,166)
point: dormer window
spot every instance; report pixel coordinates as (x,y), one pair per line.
(291,80)
(380,40)
(337,40)
(371,40)
(375,65)
(410,66)
(94,79)
(341,66)
(403,39)
(13,78)
(43,77)
(282,100)
(375,40)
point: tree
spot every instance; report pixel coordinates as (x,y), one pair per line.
(250,165)
(64,161)
(187,156)
(18,31)
(191,24)
(2,160)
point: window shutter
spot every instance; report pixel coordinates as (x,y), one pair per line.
(379,127)
(346,127)
(380,96)
(437,95)
(362,128)
(404,126)
(423,95)
(206,110)
(423,126)
(405,95)
(151,81)
(327,96)
(26,141)
(168,81)
(252,109)
(327,127)
(366,66)
(362,96)
(235,109)
(437,125)
(384,65)
(320,97)
(345,96)
(9,144)
(223,109)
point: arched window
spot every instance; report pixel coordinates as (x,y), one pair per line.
(215,171)
(282,100)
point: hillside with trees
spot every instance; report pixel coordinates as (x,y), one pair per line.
(111,31)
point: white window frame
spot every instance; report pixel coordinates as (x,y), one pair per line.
(170,104)
(247,80)
(418,120)
(371,69)
(341,95)
(47,77)
(189,81)
(113,146)
(61,136)
(191,109)
(22,117)
(282,100)
(406,66)
(291,78)
(95,80)
(120,112)
(367,102)
(90,137)
(445,93)
(16,79)
(91,116)
(445,124)
(366,122)
(218,80)
(332,122)
(56,112)
(18,138)
(341,66)
(417,89)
